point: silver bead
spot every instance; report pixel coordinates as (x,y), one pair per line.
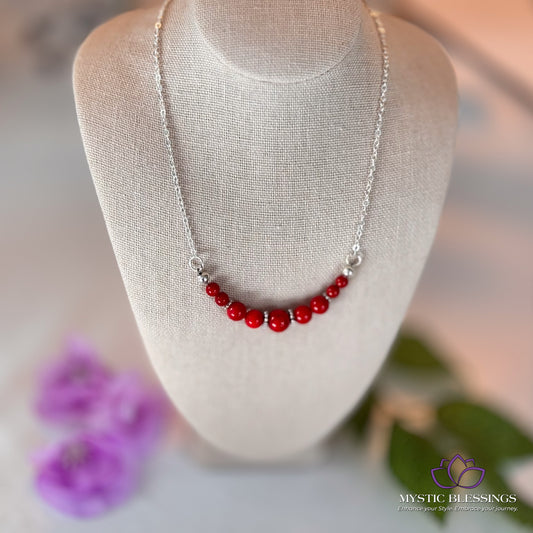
(291,314)
(325,295)
(228,304)
(347,271)
(265,314)
(203,277)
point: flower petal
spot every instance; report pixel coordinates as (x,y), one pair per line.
(135,412)
(85,475)
(471,477)
(441,479)
(455,467)
(70,388)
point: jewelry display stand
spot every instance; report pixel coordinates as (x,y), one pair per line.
(271,110)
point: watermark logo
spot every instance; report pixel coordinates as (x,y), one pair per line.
(457,472)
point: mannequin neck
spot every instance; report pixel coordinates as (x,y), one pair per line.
(279,40)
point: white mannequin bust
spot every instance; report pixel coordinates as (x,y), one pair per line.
(272,106)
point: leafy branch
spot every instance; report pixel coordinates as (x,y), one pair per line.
(451,424)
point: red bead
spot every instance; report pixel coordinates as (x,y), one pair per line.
(278,320)
(254,318)
(302,314)
(212,289)
(319,304)
(332,291)
(341,281)
(222,299)
(236,311)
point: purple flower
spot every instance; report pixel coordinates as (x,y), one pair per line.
(122,419)
(70,389)
(85,475)
(457,473)
(135,413)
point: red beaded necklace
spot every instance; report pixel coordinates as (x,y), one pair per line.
(277,319)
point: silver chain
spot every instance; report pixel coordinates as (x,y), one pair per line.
(356,248)
(195,261)
(354,258)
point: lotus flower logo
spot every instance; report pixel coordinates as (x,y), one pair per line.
(457,473)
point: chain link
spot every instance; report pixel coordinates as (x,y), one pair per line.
(356,248)
(195,261)
(354,258)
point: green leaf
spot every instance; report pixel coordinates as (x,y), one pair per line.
(359,420)
(524,513)
(413,354)
(411,459)
(487,435)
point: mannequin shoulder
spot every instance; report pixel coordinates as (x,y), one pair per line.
(116,43)
(416,52)
(420,65)
(112,70)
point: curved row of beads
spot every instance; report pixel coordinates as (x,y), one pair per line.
(278,319)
